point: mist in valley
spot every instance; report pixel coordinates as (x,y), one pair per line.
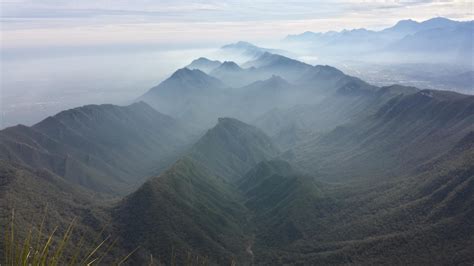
(237,133)
(37,85)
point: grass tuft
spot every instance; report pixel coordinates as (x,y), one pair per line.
(52,249)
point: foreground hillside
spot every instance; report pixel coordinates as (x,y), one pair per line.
(275,214)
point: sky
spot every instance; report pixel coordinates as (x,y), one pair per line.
(60,23)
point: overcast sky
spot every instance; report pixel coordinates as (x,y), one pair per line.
(48,23)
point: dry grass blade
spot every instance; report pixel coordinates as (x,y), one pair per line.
(25,252)
(44,254)
(95,250)
(95,241)
(107,250)
(128,256)
(36,257)
(76,253)
(12,238)
(6,246)
(64,241)
(90,263)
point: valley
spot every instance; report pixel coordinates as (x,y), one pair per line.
(269,162)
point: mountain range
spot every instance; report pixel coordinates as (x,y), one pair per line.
(249,51)
(270,162)
(408,41)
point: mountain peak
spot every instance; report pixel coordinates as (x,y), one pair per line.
(173,93)
(276,80)
(270,59)
(250,50)
(439,20)
(193,78)
(233,147)
(230,65)
(266,55)
(203,59)
(406,22)
(229,121)
(204,64)
(239,44)
(244,43)
(182,72)
(328,69)
(410,26)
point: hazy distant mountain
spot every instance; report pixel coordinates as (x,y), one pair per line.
(263,95)
(455,42)
(402,29)
(333,107)
(227,66)
(204,64)
(406,27)
(271,60)
(233,75)
(184,81)
(105,148)
(267,88)
(249,50)
(422,40)
(190,95)
(319,75)
(268,82)
(333,42)
(269,64)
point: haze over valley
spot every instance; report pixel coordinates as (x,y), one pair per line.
(40,81)
(323,147)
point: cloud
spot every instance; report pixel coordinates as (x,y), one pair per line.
(48,22)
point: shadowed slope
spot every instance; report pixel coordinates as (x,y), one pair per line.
(408,130)
(193,206)
(105,148)
(232,147)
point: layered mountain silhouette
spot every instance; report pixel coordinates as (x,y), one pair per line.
(306,165)
(233,75)
(454,40)
(421,41)
(245,92)
(274,64)
(405,27)
(248,50)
